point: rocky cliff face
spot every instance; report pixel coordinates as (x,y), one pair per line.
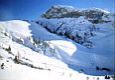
(59,11)
(94,15)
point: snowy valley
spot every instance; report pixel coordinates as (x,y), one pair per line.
(64,44)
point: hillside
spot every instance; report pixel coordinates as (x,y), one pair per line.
(66,46)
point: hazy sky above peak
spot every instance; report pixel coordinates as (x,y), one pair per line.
(32,9)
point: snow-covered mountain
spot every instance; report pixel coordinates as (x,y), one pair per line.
(94,15)
(64,44)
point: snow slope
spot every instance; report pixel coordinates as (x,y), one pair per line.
(57,49)
(93,30)
(32,65)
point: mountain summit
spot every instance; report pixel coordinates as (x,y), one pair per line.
(60,11)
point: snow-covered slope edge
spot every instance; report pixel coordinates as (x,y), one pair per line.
(20,59)
(19,62)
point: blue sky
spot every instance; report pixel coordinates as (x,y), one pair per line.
(32,9)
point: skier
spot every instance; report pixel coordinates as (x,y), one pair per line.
(2,66)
